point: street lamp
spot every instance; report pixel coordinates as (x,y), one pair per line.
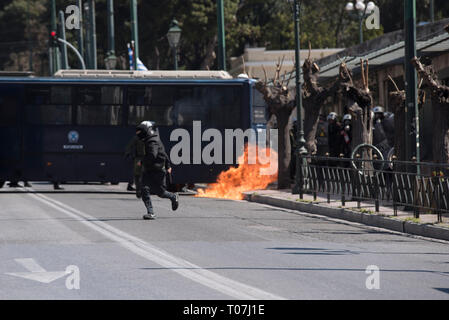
(360,11)
(173,36)
(110,61)
(300,127)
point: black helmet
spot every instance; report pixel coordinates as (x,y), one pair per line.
(145,128)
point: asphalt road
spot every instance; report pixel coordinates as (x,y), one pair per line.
(94,236)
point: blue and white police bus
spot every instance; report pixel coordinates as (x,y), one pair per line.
(75,125)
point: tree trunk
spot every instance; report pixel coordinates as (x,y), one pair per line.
(440,106)
(284,148)
(311,118)
(397,100)
(440,135)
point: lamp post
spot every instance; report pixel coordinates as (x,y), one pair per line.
(111,60)
(174,36)
(300,127)
(360,11)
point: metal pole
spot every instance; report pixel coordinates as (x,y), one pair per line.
(360,14)
(80,35)
(175,56)
(54,61)
(78,54)
(111,34)
(432,10)
(88,50)
(134,32)
(301,142)
(64,58)
(93,34)
(221,36)
(411,102)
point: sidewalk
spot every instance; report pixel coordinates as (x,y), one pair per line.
(404,222)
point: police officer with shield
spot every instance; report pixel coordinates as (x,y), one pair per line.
(156,165)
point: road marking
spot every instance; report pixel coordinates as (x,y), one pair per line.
(36,272)
(142,248)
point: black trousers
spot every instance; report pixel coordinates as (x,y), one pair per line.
(153,182)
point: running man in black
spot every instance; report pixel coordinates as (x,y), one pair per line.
(155,168)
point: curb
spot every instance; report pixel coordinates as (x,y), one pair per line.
(424,230)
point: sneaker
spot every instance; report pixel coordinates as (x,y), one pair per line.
(130,188)
(149,216)
(175,202)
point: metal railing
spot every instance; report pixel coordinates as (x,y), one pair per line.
(392,183)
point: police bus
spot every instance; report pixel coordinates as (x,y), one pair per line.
(75,125)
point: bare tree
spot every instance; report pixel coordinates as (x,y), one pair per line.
(397,100)
(360,103)
(281,102)
(440,105)
(314,97)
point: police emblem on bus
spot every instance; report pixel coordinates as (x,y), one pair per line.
(73,136)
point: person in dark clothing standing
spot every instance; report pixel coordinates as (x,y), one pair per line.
(156,165)
(335,139)
(346,133)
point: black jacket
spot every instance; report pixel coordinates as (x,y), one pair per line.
(155,158)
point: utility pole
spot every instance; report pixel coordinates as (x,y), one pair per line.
(89,49)
(300,133)
(64,58)
(93,34)
(80,35)
(411,92)
(134,32)
(432,11)
(54,52)
(111,59)
(221,36)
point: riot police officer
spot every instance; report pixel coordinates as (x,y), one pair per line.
(380,139)
(334,135)
(346,134)
(155,167)
(321,136)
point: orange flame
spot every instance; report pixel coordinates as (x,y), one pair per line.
(246,177)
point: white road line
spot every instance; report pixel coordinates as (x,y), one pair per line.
(183,267)
(30,264)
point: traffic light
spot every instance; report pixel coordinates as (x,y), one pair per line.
(54,39)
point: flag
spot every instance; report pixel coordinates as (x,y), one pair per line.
(130,55)
(141,66)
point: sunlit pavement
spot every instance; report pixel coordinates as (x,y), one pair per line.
(90,242)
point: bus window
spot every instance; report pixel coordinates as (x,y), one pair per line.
(153,103)
(99,105)
(259,108)
(49,114)
(99,115)
(189,106)
(111,95)
(61,95)
(49,105)
(215,106)
(8,111)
